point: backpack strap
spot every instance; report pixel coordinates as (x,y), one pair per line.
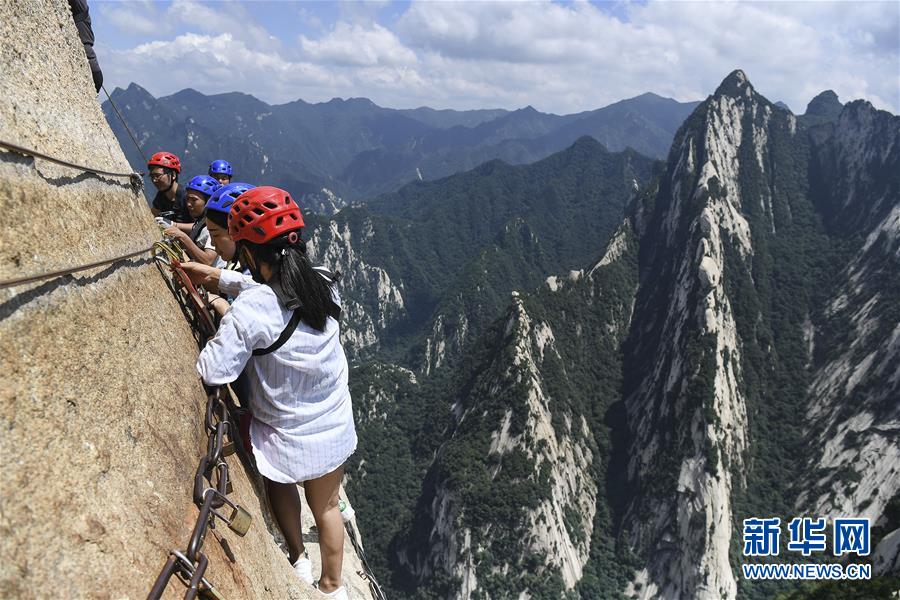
(284,337)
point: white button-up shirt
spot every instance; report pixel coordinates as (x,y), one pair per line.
(302,415)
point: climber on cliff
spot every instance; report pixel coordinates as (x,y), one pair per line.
(82,16)
(197,241)
(217,209)
(164,168)
(221,171)
(283,326)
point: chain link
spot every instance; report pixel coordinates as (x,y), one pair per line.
(210,493)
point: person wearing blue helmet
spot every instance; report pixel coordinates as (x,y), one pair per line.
(217,208)
(197,241)
(221,171)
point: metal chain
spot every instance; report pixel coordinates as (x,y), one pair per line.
(194,303)
(212,484)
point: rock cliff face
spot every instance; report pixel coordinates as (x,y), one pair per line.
(854,415)
(100,405)
(526,446)
(737,338)
(689,525)
(372,300)
(518,485)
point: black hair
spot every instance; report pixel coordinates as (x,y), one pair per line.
(296,283)
(166,171)
(219,218)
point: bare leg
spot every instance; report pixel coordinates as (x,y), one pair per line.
(285,500)
(322,496)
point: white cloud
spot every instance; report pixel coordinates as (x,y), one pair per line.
(355,45)
(558,58)
(220,63)
(138,18)
(309,18)
(131,22)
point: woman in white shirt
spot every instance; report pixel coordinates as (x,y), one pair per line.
(283,327)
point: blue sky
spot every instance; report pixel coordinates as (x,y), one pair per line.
(557,57)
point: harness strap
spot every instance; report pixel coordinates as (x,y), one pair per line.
(284,337)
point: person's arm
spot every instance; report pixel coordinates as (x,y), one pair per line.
(233,283)
(225,355)
(185,227)
(221,281)
(207,257)
(219,304)
(204,275)
(155,211)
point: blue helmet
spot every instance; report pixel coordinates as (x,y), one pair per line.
(220,167)
(203,184)
(225,196)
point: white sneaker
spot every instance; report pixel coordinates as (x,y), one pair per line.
(338,594)
(303,568)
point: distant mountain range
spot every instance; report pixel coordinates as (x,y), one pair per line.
(358,150)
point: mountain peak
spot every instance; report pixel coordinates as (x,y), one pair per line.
(133,93)
(735,85)
(825,104)
(136,89)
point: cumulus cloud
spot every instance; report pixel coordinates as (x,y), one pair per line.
(355,45)
(219,63)
(141,18)
(223,17)
(557,57)
(131,21)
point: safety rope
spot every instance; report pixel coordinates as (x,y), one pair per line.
(53,274)
(124,124)
(35,154)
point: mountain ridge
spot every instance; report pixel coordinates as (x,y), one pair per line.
(356,149)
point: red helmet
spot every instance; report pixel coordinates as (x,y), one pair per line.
(262,214)
(165,159)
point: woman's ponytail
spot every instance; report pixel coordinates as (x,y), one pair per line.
(301,286)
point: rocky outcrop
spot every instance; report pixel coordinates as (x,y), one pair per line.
(734,336)
(826,104)
(853,412)
(372,300)
(528,413)
(101,409)
(693,376)
(554,531)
